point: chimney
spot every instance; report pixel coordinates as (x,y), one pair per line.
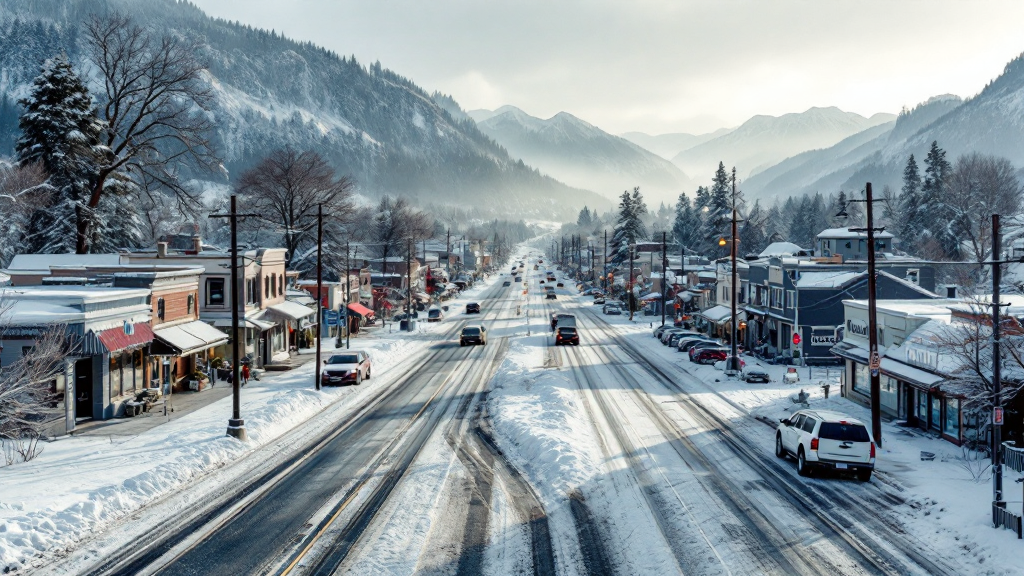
(197,244)
(161,249)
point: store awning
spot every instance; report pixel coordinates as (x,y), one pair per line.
(185,339)
(291,310)
(360,309)
(716,313)
(118,339)
(651,296)
(850,351)
(914,376)
(258,322)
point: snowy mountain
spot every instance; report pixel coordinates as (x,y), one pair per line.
(668,145)
(581,154)
(841,166)
(271,92)
(764,141)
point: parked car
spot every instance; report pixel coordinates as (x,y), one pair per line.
(473,334)
(684,344)
(351,367)
(674,339)
(612,308)
(791,376)
(710,355)
(435,315)
(722,364)
(599,300)
(567,335)
(506,283)
(755,374)
(472,308)
(668,334)
(828,440)
(658,330)
(702,345)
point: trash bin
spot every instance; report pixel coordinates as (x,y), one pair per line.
(403,325)
(412,325)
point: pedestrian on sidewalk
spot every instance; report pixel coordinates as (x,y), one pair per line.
(245,374)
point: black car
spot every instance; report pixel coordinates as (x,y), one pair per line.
(473,335)
(506,283)
(473,308)
(567,335)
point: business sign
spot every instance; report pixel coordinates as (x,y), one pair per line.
(857,327)
(922,356)
(332,318)
(823,339)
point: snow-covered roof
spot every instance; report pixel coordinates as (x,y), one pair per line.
(40,263)
(780,249)
(937,309)
(716,313)
(829,279)
(37,313)
(70,294)
(844,233)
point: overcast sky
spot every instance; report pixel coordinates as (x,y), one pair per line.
(661,66)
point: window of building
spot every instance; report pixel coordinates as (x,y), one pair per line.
(790,298)
(266,287)
(280,285)
(887,393)
(776,298)
(913,276)
(922,405)
(861,380)
(214,291)
(191,304)
(951,423)
(160,308)
(273,285)
(935,419)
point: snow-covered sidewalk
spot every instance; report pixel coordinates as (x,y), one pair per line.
(79,485)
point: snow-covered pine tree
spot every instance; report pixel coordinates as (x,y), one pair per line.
(719,216)
(585,219)
(629,228)
(910,225)
(60,132)
(687,226)
(938,218)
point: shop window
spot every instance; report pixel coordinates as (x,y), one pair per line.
(887,395)
(861,380)
(935,417)
(115,374)
(922,405)
(951,423)
(214,291)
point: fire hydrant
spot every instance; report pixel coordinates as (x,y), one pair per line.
(824,388)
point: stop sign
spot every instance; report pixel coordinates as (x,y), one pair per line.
(796,338)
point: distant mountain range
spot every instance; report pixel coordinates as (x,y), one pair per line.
(271,92)
(668,145)
(764,141)
(582,155)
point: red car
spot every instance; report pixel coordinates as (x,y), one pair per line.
(567,335)
(710,355)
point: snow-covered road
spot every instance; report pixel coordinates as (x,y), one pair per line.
(518,457)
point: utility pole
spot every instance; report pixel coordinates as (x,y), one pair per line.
(874,359)
(997,274)
(348,290)
(448,253)
(629,286)
(604,263)
(734,359)
(664,274)
(408,283)
(236,426)
(319,285)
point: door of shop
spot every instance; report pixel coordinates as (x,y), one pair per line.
(83,389)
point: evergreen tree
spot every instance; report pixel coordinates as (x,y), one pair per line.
(719,216)
(753,238)
(909,220)
(585,219)
(629,228)
(938,218)
(775,229)
(61,132)
(703,198)
(687,226)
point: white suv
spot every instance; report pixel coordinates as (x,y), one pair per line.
(823,439)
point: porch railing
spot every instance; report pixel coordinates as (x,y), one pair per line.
(1012,457)
(1003,517)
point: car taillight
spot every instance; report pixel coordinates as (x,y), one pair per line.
(872,449)
(814,443)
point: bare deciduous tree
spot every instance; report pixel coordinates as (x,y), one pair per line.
(23,190)
(286,189)
(28,399)
(156,107)
(979,187)
(396,224)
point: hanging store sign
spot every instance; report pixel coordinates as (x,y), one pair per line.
(823,339)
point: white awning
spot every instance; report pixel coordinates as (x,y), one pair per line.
(190,337)
(257,321)
(291,310)
(716,313)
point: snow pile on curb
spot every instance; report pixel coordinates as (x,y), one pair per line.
(540,423)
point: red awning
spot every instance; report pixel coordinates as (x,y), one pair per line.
(360,309)
(116,340)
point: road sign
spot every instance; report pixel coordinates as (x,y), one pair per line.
(876,361)
(332,318)
(997,416)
